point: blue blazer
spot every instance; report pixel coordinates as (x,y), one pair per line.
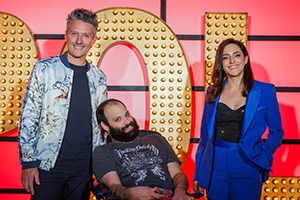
(261,111)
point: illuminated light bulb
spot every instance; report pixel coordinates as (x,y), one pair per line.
(161,129)
(154,112)
(187,113)
(155,71)
(153,121)
(162,121)
(179,130)
(179,147)
(171,96)
(130,28)
(154,96)
(209,16)
(162,113)
(170,138)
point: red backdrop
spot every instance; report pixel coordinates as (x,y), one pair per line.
(273,61)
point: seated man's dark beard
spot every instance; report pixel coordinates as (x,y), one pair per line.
(122,136)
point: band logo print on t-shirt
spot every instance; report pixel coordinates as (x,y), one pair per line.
(140,161)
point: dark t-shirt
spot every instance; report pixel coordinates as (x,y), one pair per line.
(76,146)
(142,162)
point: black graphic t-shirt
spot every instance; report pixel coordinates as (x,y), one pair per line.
(142,162)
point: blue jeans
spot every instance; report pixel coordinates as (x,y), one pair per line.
(234,176)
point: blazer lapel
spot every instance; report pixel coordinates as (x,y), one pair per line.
(251,107)
(211,116)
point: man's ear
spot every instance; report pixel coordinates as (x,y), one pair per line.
(104,126)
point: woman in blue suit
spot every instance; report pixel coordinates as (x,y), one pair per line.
(232,161)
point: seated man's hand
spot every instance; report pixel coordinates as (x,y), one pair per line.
(143,193)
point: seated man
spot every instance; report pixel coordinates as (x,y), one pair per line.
(136,164)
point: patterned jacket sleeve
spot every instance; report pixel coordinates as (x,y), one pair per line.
(29,120)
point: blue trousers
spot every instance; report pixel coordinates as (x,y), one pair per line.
(234,176)
(63,182)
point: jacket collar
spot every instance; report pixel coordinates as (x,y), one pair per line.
(65,61)
(251,106)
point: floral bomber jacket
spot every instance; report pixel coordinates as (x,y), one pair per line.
(45,110)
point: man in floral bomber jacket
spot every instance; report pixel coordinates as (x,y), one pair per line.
(58,128)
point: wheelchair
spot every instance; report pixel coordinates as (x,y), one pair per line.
(102,192)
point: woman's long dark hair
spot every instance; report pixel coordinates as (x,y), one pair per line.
(219,76)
